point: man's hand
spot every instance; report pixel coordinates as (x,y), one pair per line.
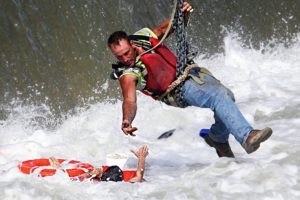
(186,9)
(127,128)
(160,30)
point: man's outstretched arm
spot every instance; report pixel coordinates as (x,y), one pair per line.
(128,86)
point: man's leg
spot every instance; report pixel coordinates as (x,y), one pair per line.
(212,94)
(223,149)
(218,130)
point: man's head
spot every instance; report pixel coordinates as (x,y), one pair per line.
(122,48)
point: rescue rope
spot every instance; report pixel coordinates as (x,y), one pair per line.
(178,24)
(166,32)
(182,68)
(179,80)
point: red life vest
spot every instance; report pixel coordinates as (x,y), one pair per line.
(161,69)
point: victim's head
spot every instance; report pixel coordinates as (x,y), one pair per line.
(122,48)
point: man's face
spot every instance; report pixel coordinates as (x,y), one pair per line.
(124,52)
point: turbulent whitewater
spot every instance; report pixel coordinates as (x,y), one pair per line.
(38,122)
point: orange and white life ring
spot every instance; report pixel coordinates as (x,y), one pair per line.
(44,167)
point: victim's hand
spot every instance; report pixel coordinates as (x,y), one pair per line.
(127,128)
(142,152)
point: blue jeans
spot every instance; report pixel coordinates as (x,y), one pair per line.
(228,119)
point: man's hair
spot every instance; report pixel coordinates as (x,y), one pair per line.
(115,38)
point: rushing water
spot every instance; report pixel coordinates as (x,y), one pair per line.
(54,53)
(57,99)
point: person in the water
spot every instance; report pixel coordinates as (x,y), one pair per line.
(114,173)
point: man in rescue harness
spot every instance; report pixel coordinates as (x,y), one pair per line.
(153,73)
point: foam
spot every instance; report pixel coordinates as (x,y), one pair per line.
(267,87)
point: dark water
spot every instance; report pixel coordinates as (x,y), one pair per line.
(53,52)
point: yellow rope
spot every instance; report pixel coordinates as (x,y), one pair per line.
(179,80)
(166,33)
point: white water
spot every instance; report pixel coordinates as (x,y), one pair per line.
(267,90)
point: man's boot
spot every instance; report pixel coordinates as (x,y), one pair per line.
(222,149)
(255,137)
